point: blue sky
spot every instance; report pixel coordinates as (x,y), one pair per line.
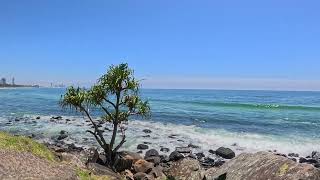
(272,44)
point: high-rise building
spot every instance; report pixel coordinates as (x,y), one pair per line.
(13,81)
(3,81)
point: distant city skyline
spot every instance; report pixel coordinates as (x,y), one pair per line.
(206,44)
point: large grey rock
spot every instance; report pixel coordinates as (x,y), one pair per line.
(185,169)
(175,156)
(151,153)
(263,166)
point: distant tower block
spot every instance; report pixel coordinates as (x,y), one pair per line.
(13,81)
(3,81)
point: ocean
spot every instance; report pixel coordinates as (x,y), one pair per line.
(245,121)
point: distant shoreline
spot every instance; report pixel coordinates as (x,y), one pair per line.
(19,86)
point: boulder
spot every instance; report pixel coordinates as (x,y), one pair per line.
(315,155)
(150,153)
(200,155)
(142,147)
(142,166)
(175,156)
(184,150)
(163,149)
(225,153)
(193,146)
(62,136)
(185,169)
(157,173)
(263,165)
(293,155)
(147,131)
(38,117)
(128,175)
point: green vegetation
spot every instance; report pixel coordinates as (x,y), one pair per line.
(24,144)
(116,95)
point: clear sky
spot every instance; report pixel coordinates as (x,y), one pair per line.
(256,44)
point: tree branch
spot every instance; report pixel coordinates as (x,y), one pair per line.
(108,101)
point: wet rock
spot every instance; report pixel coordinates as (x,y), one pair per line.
(207,162)
(151,153)
(73,148)
(219,163)
(146,136)
(63,132)
(163,149)
(185,169)
(179,140)
(68,120)
(193,146)
(143,166)
(184,150)
(280,154)
(264,165)
(200,155)
(56,117)
(147,143)
(212,151)
(38,117)
(302,160)
(175,156)
(164,158)
(293,155)
(225,153)
(147,131)
(315,155)
(173,136)
(62,136)
(142,147)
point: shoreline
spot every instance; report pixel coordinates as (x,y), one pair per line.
(147,134)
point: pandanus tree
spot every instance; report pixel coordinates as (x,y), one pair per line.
(116,95)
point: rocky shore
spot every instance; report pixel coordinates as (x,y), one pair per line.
(185,162)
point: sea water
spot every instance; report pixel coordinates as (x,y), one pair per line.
(246,121)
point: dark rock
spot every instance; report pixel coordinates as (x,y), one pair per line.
(154,159)
(146,136)
(147,131)
(57,117)
(225,153)
(163,149)
(139,152)
(68,120)
(73,148)
(317,165)
(212,151)
(234,144)
(122,164)
(142,147)
(175,156)
(38,117)
(200,155)
(302,160)
(183,150)
(315,155)
(179,140)
(193,146)
(147,143)
(164,158)
(293,155)
(32,136)
(63,132)
(208,162)
(293,159)
(62,136)
(173,136)
(221,177)
(219,163)
(279,154)
(151,152)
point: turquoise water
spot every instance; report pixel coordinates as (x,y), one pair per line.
(255,120)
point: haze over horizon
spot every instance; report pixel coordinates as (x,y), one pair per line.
(272,45)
